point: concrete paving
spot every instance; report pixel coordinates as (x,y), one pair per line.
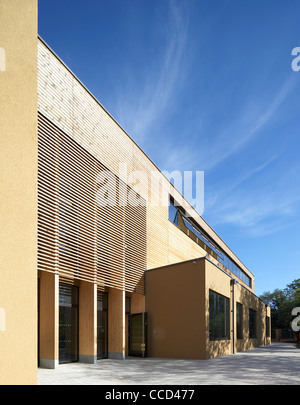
(276,364)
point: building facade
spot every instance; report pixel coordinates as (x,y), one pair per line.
(116,243)
(196,310)
(104,248)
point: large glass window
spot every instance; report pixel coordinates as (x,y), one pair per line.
(68,323)
(102,325)
(252,323)
(267,326)
(218,316)
(203,240)
(239,320)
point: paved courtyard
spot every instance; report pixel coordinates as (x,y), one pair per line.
(278,363)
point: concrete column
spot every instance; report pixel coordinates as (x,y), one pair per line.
(137,303)
(49,320)
(116,324)
(87,322)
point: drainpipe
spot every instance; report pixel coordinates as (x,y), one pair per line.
(232,283)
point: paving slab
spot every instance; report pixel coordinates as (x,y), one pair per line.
(278,363)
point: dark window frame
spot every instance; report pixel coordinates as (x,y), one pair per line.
(219,316)
(69,298)
(239,320)
(252,323)
(194,231)
(102,306)
(267,326)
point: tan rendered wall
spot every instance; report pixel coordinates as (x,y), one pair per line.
(116,324)
(87,322)
(48,319)
(220,282)
(18,198)
(249,300)
(175,302)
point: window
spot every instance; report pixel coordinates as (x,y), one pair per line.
(252,323)
(102,325)
(218,316)
(194,231)
(239,320)
(267,326)
(68,323)
(173,214)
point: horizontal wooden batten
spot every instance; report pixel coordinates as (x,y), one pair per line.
(77,238)
(67,104)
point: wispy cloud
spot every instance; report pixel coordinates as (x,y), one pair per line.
(265,218)
(257,212)
(141,108)
(210,147)
(253,203)
(260,209)
(229,186)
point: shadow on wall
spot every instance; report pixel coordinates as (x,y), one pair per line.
(218,348)
(249,301)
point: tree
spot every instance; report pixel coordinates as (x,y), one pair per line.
(282,302)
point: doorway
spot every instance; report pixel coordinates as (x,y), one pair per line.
(137,333)
(102,325)
(68,323)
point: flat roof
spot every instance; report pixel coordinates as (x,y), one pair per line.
(210,261)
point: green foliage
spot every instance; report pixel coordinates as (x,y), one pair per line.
(282,302)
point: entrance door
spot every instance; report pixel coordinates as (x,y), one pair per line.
(102,336)
(137,332)
(68,323)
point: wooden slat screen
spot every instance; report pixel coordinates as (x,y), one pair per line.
(68,104)
(77,238)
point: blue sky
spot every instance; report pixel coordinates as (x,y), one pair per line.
(203,85)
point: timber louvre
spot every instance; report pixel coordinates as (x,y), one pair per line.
(77,239)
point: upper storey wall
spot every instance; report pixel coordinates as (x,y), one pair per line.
(64,100)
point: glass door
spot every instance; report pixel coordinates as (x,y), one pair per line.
(137,325)
(68,323)
(102,325)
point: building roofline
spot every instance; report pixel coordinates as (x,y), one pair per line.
(234,257)
(210,261)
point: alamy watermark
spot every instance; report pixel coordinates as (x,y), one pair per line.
(296,321)
(296,61)
(157,188)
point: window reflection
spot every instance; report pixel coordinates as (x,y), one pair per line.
(181,220)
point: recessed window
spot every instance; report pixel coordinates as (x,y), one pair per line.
(267,326)
(218,316)
(252,323)
(102,325)
(68,323)
(239,320)
(178,217)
